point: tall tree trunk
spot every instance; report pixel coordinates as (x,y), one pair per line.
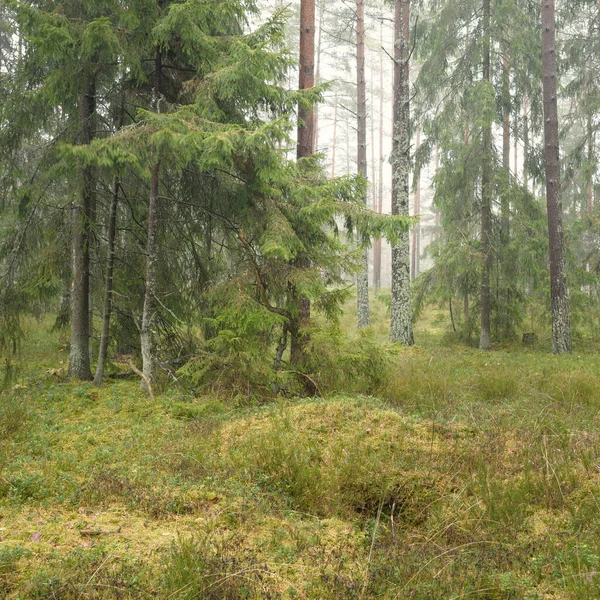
(306,132)
(306,126)
(110,263)
(79,359)
(362,280)
(377,243)
(147,341)
(108,285)
(401,318)
(561,329)
(333,146)
(591,160)
(525,141)
(416,232)
(486,195)
(318,73)
(373,185)
(437,211)
(506,270)
(505,206)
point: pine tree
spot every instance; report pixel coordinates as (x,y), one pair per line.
(401,318)
(561,330)
(362,284)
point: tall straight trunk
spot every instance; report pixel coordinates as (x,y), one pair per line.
(486,195)
(561,329)
(333,146)
(591,159)
(506,269)
(79,358)
(318,73)
(306,136)
(505,206)
(108,285)
(525,141)
(437,211)
(373,168)
(401,318)
(414,264)
(306,125)
(377,243)
(515,143)
(110,262)
(149,311)
(362,279)
(348,145)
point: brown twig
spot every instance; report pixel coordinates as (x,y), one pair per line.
(144,378)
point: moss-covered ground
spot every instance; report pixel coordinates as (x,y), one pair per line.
(462,475)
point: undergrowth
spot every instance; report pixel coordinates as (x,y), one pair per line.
(441,472)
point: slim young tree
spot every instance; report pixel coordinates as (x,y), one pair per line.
(362,283)
(148,314)
(486,195)
(561,329)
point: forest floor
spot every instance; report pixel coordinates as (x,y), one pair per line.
(466,475)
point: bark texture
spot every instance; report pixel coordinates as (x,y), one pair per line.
(362,279)
(108,285)
(486,196)
(379,209)
(401,319)
(306,126)
(300,320)
(79,357)
(416,233)
(561,329)
(147,344)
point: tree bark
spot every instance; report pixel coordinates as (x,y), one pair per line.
(333,146)
(591,160)
(79,358)
(401,318)
(108,285)
(486,195)
(377,243)
(300,320)
(561,329)
(362,279)
(306,125)
(147,342)
(318,74)
(416,232)
(525,141)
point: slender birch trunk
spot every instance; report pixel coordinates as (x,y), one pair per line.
(401,318)
(561,328)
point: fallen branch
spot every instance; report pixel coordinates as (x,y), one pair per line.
(91,532)
(144,378)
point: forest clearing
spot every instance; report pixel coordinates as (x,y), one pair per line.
(299,300)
